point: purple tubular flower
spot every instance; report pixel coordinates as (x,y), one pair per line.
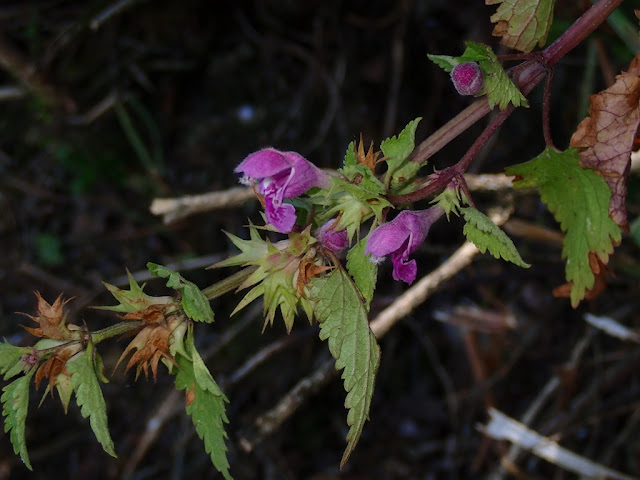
(400,237)
(281,175)
(329,237)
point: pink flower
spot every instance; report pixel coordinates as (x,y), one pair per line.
(281,175)
(329,237)
(401,237)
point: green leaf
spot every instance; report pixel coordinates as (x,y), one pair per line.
(194,303)
(445,62)
(343,321)
(449,200)
(522,23)
(579,200)
(206,405)
(363,271)
(131,300)
(11,359)
(397,149)
(15,404)
(498,86)
(486,235)
(361,174)
(89,396)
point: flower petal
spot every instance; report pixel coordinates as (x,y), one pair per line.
(282,216)
(264,163)
(404,271)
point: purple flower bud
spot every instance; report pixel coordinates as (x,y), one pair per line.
(329,237)
(281,175)
(467,78)
(400,237)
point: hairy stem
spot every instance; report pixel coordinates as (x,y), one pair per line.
(230,283)
(115,330)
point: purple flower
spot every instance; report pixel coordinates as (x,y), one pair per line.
(329,237)
(281,175)
(400,237)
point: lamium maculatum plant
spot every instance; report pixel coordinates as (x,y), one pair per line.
(324,236)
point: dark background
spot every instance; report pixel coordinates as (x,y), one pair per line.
(190,88)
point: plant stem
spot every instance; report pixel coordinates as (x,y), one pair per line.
(526,76)
(230,283)
(581,29)
(115,330)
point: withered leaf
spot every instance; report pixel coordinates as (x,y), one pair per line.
(52,320)
(608,135)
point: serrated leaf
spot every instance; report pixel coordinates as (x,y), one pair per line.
(194,303)
(498,86)
(486,235)
(397,149)
(131,300)
(608,135)
(578,198)
(522,23)
(343,322)
(89,396)
(445,62)
(15,404)
(206,407)
(11,359)
(363,271)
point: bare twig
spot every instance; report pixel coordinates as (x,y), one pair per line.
(545,394)
(173,209)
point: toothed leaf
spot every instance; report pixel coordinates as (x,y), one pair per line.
(343,322)
(194,303)
(486,235)
(15,404)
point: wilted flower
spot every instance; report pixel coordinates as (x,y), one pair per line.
(281,175)
(400,237)
(332,238)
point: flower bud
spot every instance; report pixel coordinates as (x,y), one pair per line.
(332,238)
(467,78)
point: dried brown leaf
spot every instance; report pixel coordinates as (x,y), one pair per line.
(608,136)
(51,320)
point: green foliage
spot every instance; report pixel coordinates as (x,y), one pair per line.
(396,150)
(445,62)
(205,404)
(10,359)
(89,395)
(498,86)
(343,321)
(449,200)
(366,178)
(579,200)
(486,235)
(194,303)
(522,23)
(363,271)
(15,404)
(132,300)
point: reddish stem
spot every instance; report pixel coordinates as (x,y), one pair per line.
(546,108)
(526,76)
